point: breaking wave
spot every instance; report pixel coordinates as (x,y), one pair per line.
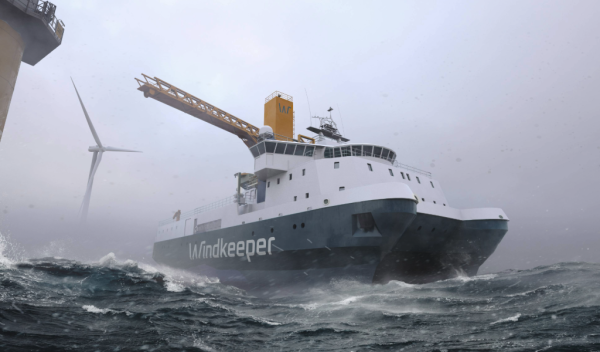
(60,304)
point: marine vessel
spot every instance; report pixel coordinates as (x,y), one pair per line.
(321,208)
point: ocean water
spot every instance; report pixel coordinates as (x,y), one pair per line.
(58,304)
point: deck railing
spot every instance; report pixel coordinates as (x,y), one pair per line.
(412,168)
(43,10)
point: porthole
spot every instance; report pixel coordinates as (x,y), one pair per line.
(272,229)
(423,199)
(326,201)
(302,225)
(294,227)
(434,202)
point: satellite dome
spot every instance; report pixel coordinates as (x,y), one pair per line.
(265,129)
(265,132)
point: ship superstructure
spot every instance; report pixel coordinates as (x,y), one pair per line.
(323,207)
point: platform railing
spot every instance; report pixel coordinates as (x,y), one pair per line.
(43,10)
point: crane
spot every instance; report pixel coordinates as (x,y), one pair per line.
(279,111)
(168,94)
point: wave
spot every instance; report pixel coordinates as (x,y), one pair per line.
(128,305)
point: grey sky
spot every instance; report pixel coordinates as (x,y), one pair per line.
(499,99)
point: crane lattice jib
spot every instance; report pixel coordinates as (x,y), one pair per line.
(168,94)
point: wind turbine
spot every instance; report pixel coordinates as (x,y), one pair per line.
(98,150)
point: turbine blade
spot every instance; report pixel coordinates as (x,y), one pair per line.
(92,166)
(87,117)
(113,149)
(88,192)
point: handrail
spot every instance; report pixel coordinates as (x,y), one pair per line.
(280,95)
(412,168)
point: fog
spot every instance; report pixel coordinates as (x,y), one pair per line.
(498,99)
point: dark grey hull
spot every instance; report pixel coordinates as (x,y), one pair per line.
(332,243)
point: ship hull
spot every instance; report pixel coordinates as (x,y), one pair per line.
(340,242)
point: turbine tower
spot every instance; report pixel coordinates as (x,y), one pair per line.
(98,150)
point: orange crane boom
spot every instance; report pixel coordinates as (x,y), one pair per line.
(168,94)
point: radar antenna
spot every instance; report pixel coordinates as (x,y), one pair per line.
(328,127)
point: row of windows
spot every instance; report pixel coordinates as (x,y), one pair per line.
(336,165)
(282,148)
(360,150)
(279,180)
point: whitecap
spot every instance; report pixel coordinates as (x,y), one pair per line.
(474,278)
(347,301)
(94,309)
(262,320)
(513,319)
(174,287)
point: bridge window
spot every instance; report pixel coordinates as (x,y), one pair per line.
(367,150)
(391,172)
(254,151)
(392,156)
(280,148)
(299,150)
(336,165)
(356,150)
(290,149)
(370,167)
(377,152)
(270,146)
(385,153)
(329,152)
(337,152)
(346,151)
(261,148)
(309,151)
